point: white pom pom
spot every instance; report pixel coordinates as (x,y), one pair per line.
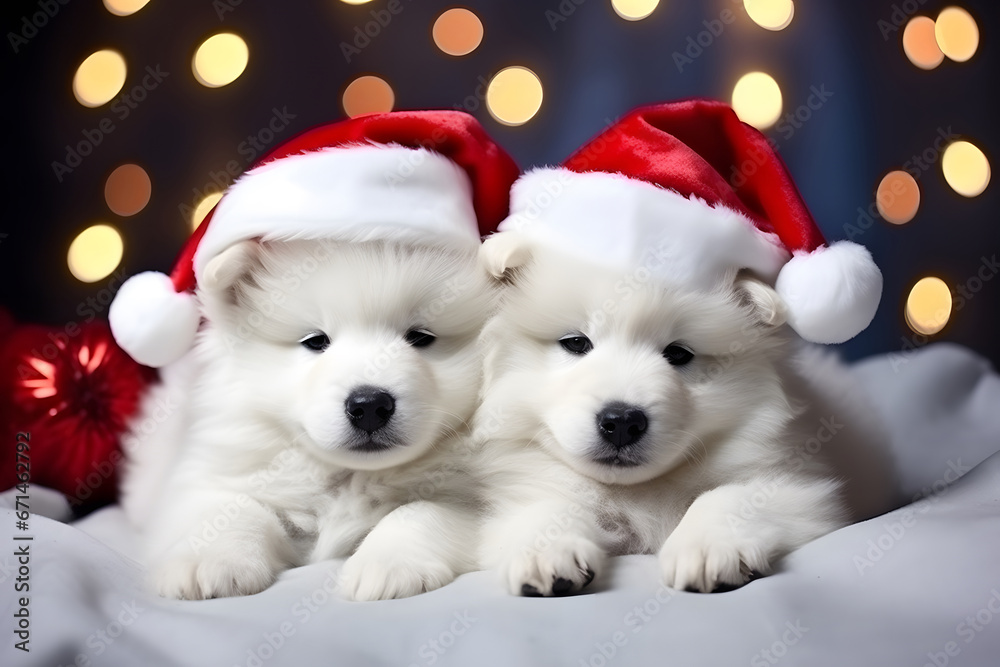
(831,293)
(153,322)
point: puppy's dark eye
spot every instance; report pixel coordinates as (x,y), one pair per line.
(317,341)
(576,344)
(420,337)
(677,355)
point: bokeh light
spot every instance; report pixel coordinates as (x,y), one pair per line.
(770,14)
(220,60)
(897,197)
(368,94)
(757,100)
(957,33)
(634,10)
(514,95)
(919,43)
(355,2)
(124,7)
(457,32)
(965,168)
(127,190)
(95,253)
(928,307)
(206,204)
(99,78)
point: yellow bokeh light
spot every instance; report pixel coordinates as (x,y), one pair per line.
(928,307)
(919,43)
(514,95)
(124,7)
(368,94)
(957,33)
(965,168)
(207,203)
(770,14)
(220,60)
(757,100)
(897,197)
(95,253)
(457,32)
(99,78)
(634,10)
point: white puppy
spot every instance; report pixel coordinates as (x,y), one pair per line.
(333,386)
(621,416)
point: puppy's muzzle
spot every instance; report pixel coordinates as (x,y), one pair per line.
(369,408)
(620,424)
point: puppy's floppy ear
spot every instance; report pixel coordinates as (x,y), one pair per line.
(760,298)
(229,270)
(503,253)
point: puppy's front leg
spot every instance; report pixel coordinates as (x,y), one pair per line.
(543,549)
(211,545)
(415,548)
(737,530)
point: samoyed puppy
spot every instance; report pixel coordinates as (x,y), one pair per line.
(621,416)
(324,415)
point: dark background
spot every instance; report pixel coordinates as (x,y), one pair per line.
(594,66)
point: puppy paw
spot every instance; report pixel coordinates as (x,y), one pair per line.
(368,575)
(700,563)
(213,575)
(566,566)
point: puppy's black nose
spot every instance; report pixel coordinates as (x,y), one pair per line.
(621,424)
(369,408)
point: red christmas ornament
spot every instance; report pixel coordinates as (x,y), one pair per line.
(74,396)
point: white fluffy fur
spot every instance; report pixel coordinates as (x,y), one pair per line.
(729,480)
(264,479)
(152,321)
(832,293)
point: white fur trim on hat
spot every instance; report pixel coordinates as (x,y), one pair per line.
(831,293)
(151,321)
(625,223)
(352,193)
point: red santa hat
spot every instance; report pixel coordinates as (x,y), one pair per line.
(414,177)
(706,193)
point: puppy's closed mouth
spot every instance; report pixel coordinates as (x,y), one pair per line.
(619,461)
(372,446)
